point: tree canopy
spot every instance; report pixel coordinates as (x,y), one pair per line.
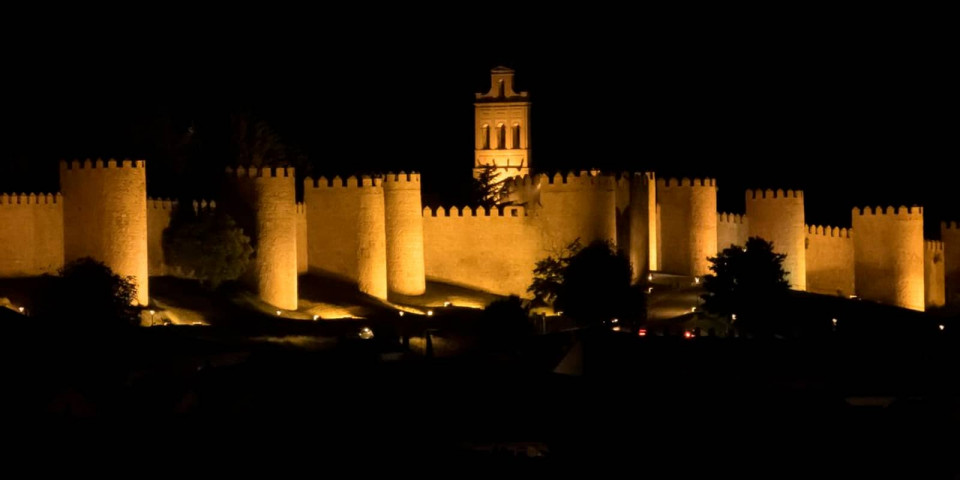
(590,284)
(207,245)
(86,292)
(748,282)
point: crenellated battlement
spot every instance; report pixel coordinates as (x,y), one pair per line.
(521,181)
(933,246)
(88,164)
(623,179)
(733,218)
(260,172)
(913,212)
(770,194)
(402,177)
(30,199)
(950,225)
(339,182)
(829,232)
(581,178)
(686,182)
(506,211)
(161,203)
(204,205)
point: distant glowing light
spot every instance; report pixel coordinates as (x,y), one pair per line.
(942,327)
(696,280)
(366,333)
(279,313)
(744,249)
(401,313)
(733,317)
(316,317)
(687,334)
(650,277)
(649,289)
(693,309)
(616,328)
(615,320)
(559,314)
(21,309)
(429,313)
(642,332)
(447,304)
(834,321)
(153,312)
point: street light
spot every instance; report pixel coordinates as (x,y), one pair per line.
(316,317)
(942,327)
(152,314)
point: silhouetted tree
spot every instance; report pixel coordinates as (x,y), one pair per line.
(548,273)
(748,282)
(485,190)
(208,245)
(87,293)
(590,284)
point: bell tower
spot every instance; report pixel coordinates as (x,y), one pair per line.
(502,124)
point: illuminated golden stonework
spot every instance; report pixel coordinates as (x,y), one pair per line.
(375,232)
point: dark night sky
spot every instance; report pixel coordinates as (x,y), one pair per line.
(853,111)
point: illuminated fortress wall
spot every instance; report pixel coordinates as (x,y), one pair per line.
(31,234)
(933,274)
(345,230)
(264,203)
(777,216)
(633,195)
(105,216)
(493,250)
(303,264)
(950,235)
(731,230)
(688,222)
(576,206)
(888,255)
(404,228)
(829,260)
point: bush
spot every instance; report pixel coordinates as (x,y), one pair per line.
(207,245)
(87,293)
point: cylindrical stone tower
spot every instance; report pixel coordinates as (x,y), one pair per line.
(266,208)
(688,222)
(404,227)
(105,216)
(777,216)
(888,255)
(639,251)
(950,234)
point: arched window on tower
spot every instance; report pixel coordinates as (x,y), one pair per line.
(502,137)
(500,89)
(485,137)
(516,135)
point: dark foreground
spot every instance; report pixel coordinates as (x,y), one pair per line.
(829,407)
